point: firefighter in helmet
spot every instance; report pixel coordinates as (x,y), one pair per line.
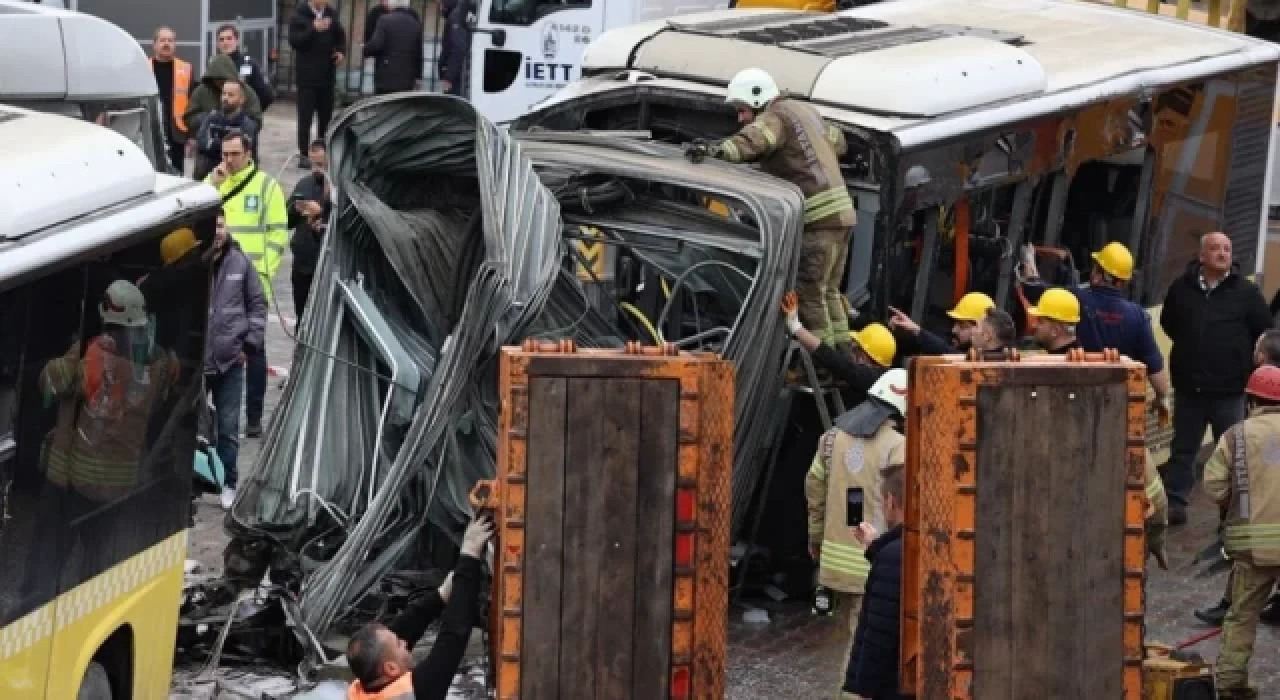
(851,455)
(1243,476)
(790,140)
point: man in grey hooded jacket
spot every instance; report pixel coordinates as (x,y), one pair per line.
(237,325)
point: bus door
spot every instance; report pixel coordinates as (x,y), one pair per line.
(523,51)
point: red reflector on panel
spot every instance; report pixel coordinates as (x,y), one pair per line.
(684,549)
(684,506)
(680,684)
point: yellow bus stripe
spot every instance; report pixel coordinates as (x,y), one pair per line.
(92,595)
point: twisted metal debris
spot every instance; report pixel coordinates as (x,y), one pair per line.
(446,244)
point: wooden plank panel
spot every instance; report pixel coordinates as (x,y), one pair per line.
(583,500)
(1103,471)
(655,518)
(1049,609)
(544,534)
(615,479)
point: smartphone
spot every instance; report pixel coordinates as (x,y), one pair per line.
(853,507)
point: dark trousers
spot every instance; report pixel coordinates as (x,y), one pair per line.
(1191,414)
(313,102)
(177,155)
(255,384)
(1268,29)
(226,388)
(301,292)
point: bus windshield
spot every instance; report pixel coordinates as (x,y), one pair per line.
(139,119)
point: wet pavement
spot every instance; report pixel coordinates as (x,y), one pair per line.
(794,655)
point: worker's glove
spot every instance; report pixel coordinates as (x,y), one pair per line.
(791,310)
(1155,544)
(477,536)
(700,149)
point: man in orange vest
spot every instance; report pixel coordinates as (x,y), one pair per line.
(173,76)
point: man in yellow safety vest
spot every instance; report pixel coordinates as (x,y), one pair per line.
(258,220)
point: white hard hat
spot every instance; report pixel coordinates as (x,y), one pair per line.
(123,305)
(891,388)
(753,88)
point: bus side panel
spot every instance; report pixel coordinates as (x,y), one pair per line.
(140,592)
(25,645)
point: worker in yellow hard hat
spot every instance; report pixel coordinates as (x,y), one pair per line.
(1108,318)
(1058,311)
(871,351)
(965,317)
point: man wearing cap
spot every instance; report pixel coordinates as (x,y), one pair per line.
(1243,477)
(850,456)
(870,353)
(966,316)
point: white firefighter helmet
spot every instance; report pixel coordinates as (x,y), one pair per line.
(752,87)
(123,305)
(891,388)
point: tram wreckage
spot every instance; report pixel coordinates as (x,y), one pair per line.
(451,237)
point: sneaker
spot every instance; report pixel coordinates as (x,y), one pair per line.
(254,430)
(228,498)
(1215,615)
(304,163)
(1177,515)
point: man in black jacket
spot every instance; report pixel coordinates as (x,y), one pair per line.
(250,72)
(455,45)
(309,207)
(872,672)
(318,41)
(1214,316)
(396,47)
(379,655)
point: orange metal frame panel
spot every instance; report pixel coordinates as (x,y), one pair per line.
(938,580)
(705,463)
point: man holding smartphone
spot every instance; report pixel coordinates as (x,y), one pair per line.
(844,483)
(309,207)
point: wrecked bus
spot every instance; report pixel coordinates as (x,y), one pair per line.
(975,128)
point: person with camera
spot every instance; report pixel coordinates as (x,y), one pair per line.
(379,655)
(308,213)
(229,117)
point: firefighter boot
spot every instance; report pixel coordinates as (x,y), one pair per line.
(1214,615)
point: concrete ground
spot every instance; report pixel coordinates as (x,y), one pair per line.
(794,654)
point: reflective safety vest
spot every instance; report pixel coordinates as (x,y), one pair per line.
(399,689)
(181,90)
(258,220)
(844,462)
(1157,499)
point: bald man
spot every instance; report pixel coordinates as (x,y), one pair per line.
(1214,316)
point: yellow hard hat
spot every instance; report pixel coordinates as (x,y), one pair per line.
(1057,304)
(972,307)
(877,342)
(177,244)
(1115,260)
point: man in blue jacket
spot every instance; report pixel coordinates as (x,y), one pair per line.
(873,662)
(237,325)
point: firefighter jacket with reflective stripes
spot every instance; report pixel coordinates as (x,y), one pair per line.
(845,462)
(105,402)
(399,689)
(1248,484)
(1157,500)
(258,219)
(791,141)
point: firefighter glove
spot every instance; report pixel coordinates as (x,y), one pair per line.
(791,310)
(699,150)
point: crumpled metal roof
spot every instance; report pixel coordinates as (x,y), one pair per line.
(445,243)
